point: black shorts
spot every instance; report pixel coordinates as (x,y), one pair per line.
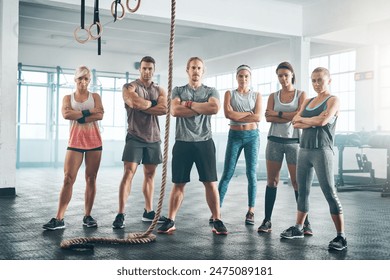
(84,150)
(184,154)
(137,151)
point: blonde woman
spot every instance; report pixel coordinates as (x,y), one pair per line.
(83,109)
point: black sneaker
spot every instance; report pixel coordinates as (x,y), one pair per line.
(54,224)
(339,243)
(88,221)
(292,233)
(167,227)
(119,221)
(211,220)
(266,226)
(219,228)
(149,216)
(250,218)
(307,229)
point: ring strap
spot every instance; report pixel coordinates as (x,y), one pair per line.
(82,21)
(95,20)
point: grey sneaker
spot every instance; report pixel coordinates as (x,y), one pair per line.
(339,243)
(88,221)
(250,218)
(149,217)
(292,233)
(307,229)
(266,226)
(54,224)
(219,228)
(167,227)
(119,221)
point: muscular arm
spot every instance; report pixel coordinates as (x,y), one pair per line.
(179,109)
(69,114)
(273,116)
(133,100)
(161,107)
(323,119)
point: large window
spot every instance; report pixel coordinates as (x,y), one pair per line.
(342,69)
(42,132)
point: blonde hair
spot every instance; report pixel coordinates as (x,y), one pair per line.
(81,71)
(192,59)
(323,70)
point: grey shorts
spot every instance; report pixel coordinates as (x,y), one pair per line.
(275,152)
(137,151)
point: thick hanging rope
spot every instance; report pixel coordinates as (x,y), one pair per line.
(147,236)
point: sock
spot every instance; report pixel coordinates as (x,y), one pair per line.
(307,216)
(342,234)
(300,227)
(270,197)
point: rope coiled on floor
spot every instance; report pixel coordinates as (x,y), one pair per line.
(147,236)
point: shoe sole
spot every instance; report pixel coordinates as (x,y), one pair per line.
(120,227)
(264,230)
(167,231)
(219,233)
(47,228)
(337,249)
(292,237)
(89,226)
(151,220)
(309,233)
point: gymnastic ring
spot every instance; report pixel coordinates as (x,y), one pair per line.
(77,30)
(113,10)
(99,34)
(134,9)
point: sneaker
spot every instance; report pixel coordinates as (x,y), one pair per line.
(266,226)
(88,221)
(54,224)
(119,221)
(307,229)
(250,218)
(167,227)
(292,233)
(149,217)
(219,228)
(211,220)
(339,243)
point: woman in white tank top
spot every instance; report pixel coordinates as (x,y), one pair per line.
(83,109)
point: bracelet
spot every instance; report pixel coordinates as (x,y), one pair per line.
(86,113)
(188,104)
(280,114)
(154,103)
(81,120)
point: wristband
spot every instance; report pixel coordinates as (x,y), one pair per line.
(81,120)
(86,113)
(154,103)
(280,114)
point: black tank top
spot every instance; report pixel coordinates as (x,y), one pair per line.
(317,137)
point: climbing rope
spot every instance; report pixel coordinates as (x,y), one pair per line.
(147,236)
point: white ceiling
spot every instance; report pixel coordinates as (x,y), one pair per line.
(224,26)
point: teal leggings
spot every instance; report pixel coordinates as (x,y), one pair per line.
(249,140)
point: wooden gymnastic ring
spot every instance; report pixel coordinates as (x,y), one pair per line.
(136,7)
(113,11)
(76,31)
(98,24)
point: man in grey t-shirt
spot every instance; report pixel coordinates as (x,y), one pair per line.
(193,105)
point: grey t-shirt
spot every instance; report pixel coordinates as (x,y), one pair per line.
(196,128)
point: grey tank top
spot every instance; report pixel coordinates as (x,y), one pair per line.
(318,137)
(242,103)
(285,130)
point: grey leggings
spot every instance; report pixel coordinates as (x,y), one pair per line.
(320,161)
